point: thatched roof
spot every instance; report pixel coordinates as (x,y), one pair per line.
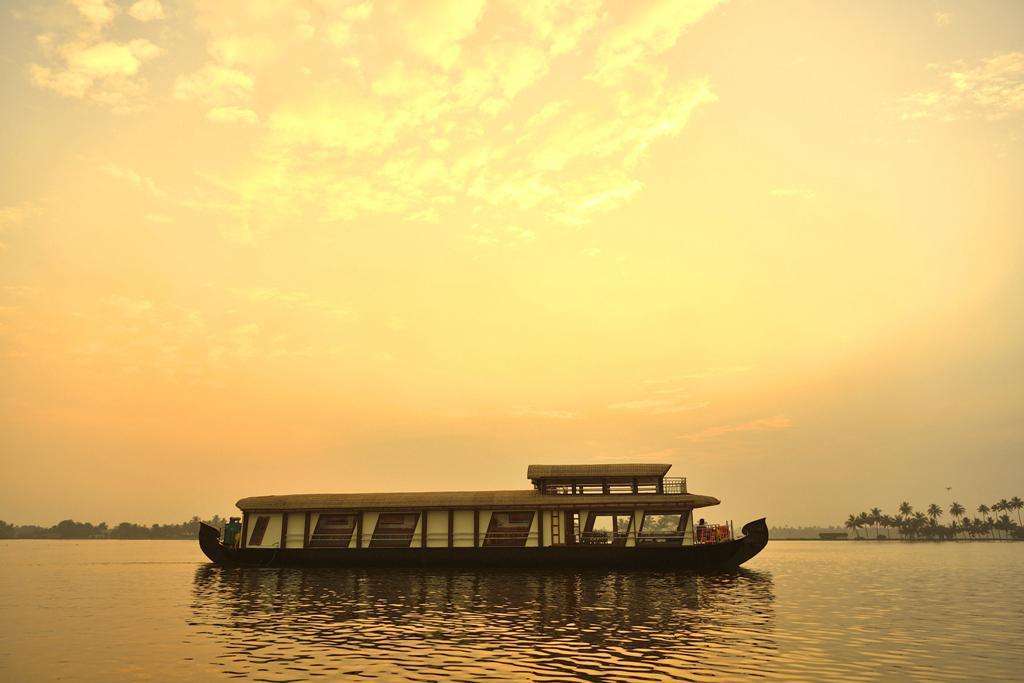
(604,470)
(526,499)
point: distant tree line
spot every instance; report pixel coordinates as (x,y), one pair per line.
(999,521)
(70,529)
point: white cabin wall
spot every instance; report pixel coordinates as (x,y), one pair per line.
(463,528)
(272,537)
(296,529)
(437,529)
(688,532)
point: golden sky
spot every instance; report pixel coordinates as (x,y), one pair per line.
(254,247)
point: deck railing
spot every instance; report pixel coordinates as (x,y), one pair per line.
(674,484)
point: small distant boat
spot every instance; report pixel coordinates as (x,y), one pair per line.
(610,515)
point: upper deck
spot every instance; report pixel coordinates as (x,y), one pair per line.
(555,486)
(606,479)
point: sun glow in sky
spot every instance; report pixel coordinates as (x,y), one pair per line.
(269,247)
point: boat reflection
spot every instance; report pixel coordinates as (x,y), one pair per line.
(473,624)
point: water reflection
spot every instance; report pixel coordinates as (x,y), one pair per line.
(284,624)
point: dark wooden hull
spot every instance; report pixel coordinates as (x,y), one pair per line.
(726,555)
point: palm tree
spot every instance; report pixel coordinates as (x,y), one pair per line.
(887,524)
(1017,504)
(864,519)
(956,511)
(934,511)
(996,507)
(917,523)
(1005,525)
(852,523)
(876,519)
(906,509)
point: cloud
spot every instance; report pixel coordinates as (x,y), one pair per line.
(96,12)
(435,30)
(214,84)
(421,110)
(943,18)
(765,424)
(134,178)
(104,72)
(559,23)
(295,300)
(649,30)
(147,10)
(158,218)
(992,90)
(232,115)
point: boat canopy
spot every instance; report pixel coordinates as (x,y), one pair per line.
(603,471)
(525,499)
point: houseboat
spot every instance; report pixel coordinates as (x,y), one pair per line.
(609,515)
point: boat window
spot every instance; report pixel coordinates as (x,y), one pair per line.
(508,529)
(333,531)
(394,530)
(663,529)
(259,529)
(610,528)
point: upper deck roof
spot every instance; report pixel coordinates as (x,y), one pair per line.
(597,471)
(525,499)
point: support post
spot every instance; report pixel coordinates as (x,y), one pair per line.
(540,528)
(305,530)
(476,528)
(636,486)
(284,530)
(359,529)
(423,528)
(245,530)
(451,528)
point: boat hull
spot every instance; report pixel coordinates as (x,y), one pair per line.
(709,556)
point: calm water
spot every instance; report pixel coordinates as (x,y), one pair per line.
(104,610)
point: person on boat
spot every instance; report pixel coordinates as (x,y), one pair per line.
(702,530)
(231,531)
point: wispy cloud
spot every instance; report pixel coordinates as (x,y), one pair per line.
(147,10)
(81,62)
(435,125)
(764,424)
(991,89)
(133,178)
